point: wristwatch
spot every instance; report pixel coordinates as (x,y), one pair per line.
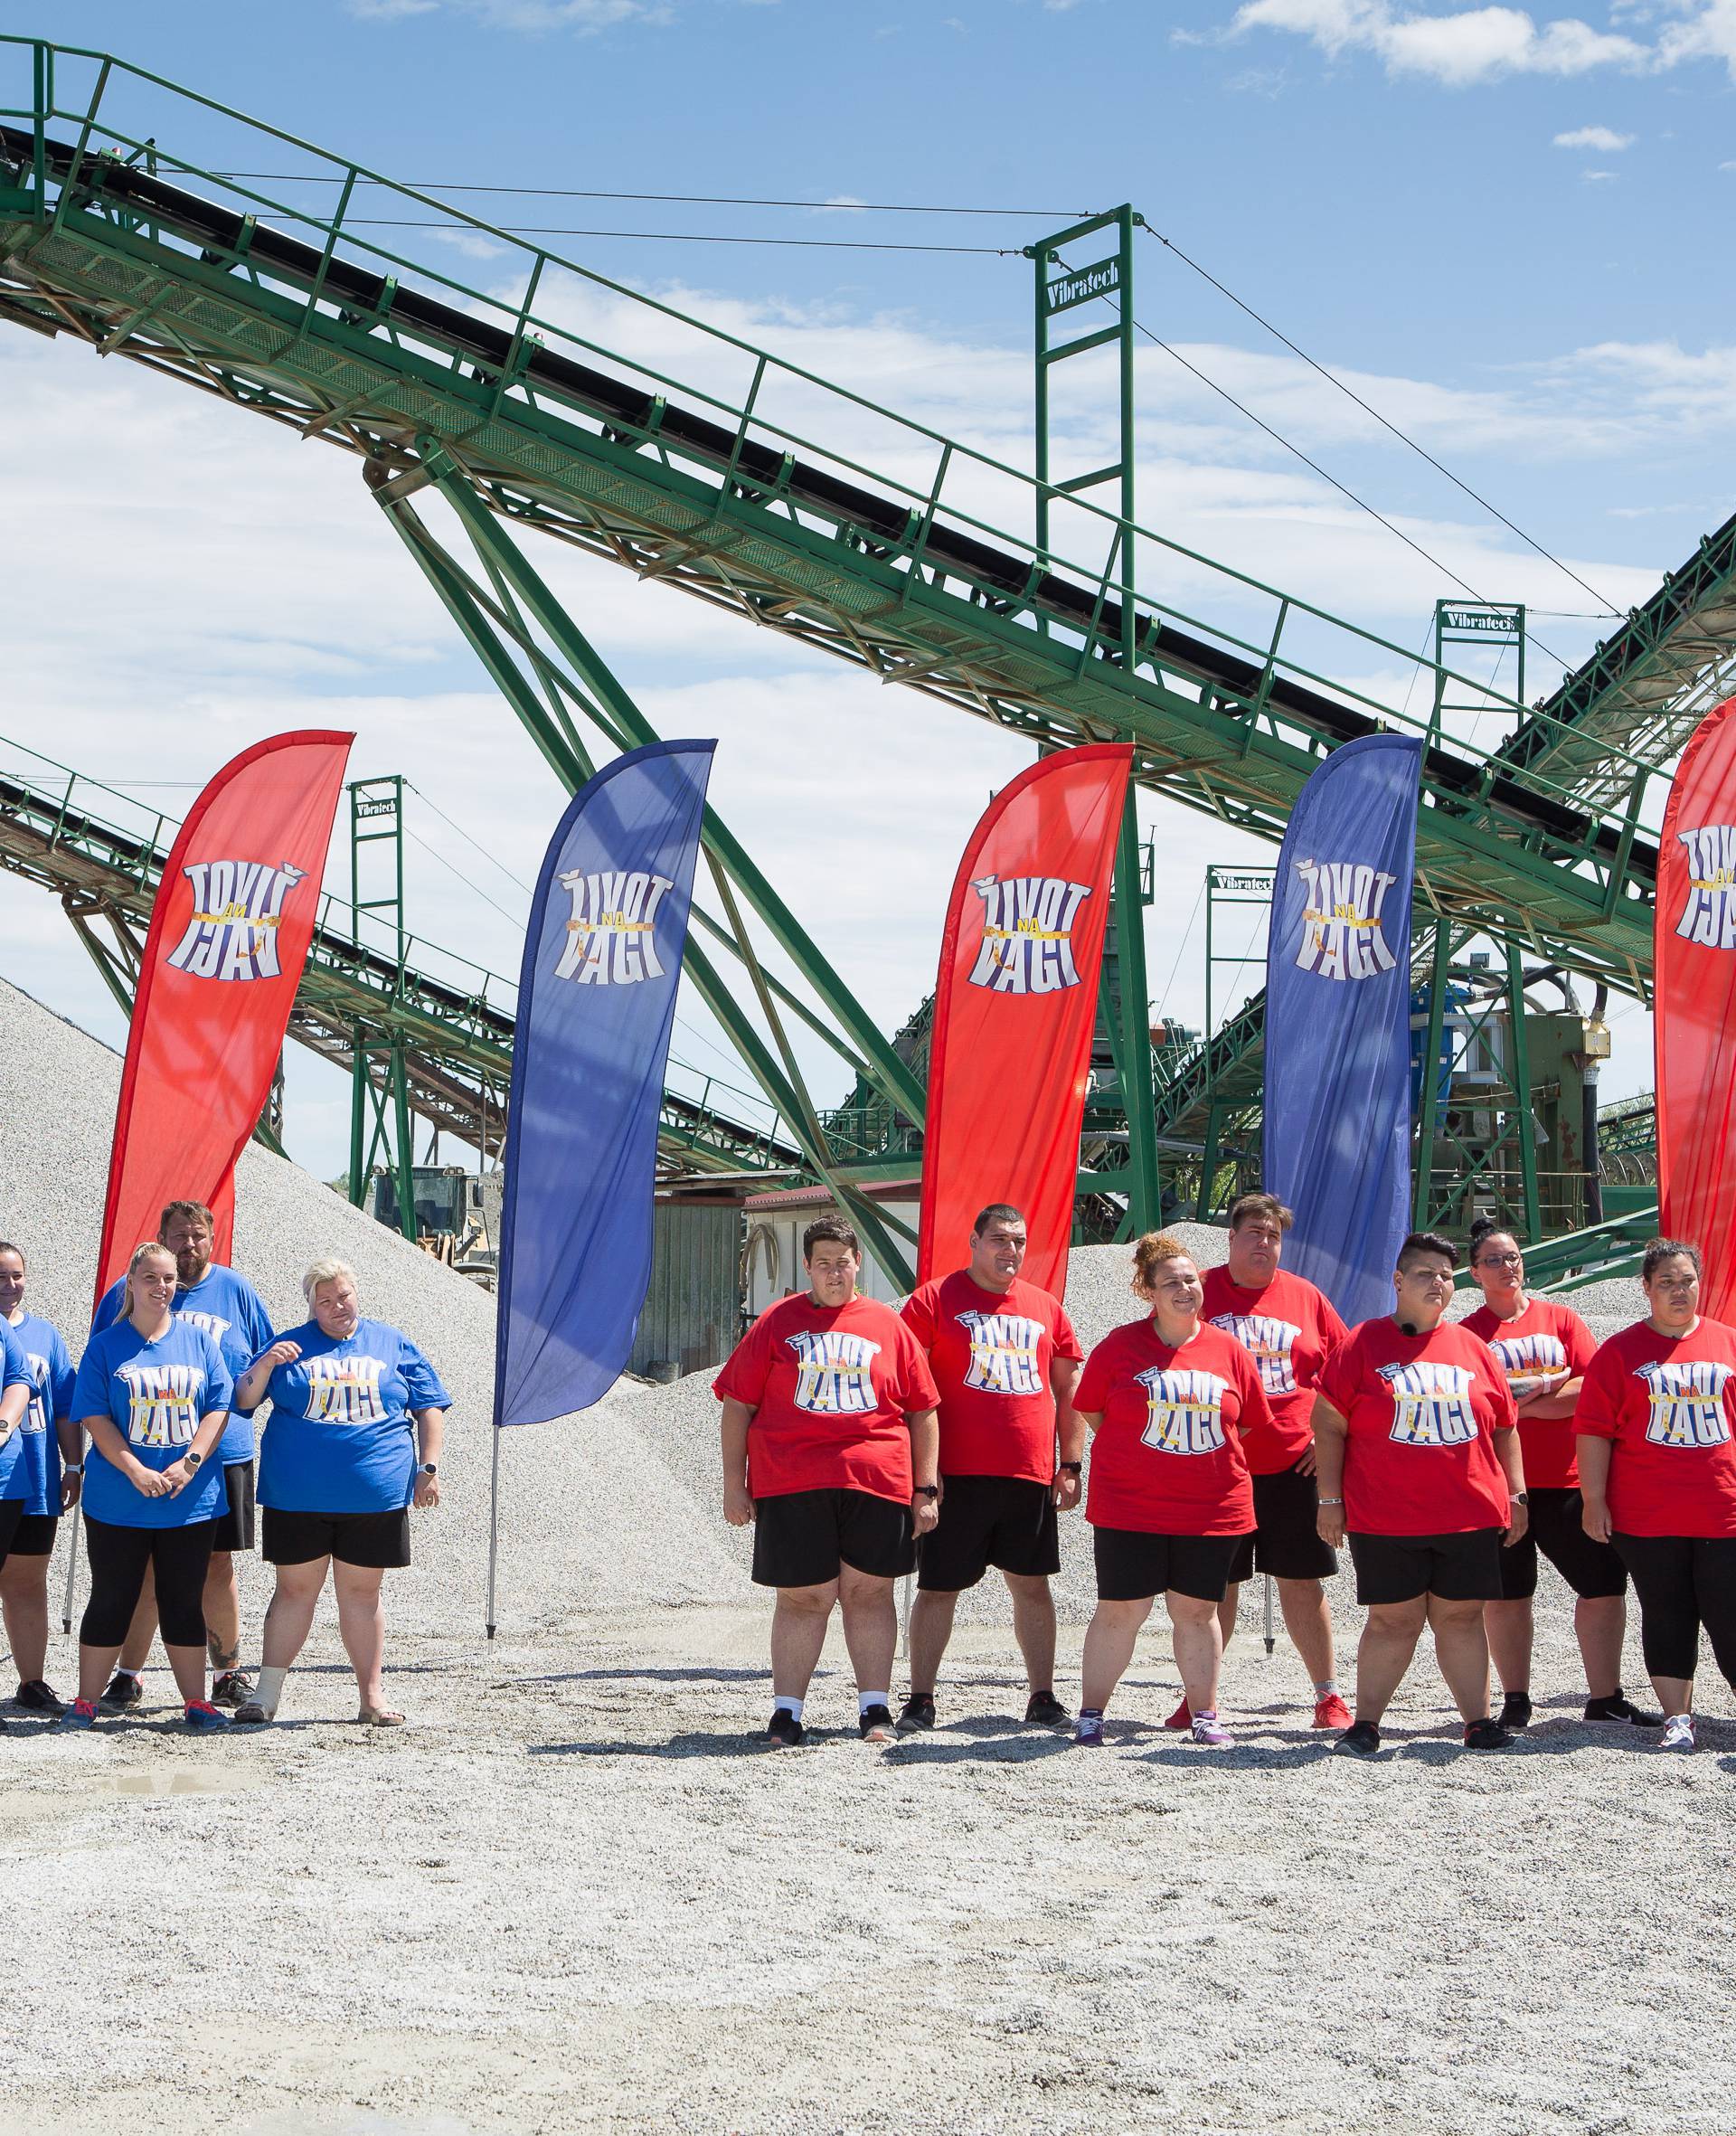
(72,1468)
(1071,1468)
(926,1490)
(193,1460)
(1520,1497)
(428,1469)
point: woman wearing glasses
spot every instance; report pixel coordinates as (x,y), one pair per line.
(1544,1349)
(1418,1450)
(1657,1470)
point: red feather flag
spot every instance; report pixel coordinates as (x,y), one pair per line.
(1695,1005)
(1014,1007)
(229,936)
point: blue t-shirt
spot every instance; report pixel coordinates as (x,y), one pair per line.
(232,1313)
(156,1392)
(50,1366)
(342,1437)
(15,1478)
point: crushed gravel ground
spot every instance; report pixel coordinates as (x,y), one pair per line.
(572,1895)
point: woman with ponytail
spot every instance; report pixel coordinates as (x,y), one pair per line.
(153,1393)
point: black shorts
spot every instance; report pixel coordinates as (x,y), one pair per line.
(378,1541)
(1463,1567)
(12,1518)
(235,1523)
(1556,1527)
(802,1538)
(1008,1522)
(1285,1542)
(33,1536)
(1133,1567)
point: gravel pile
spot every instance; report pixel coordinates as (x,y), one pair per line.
(591,1517)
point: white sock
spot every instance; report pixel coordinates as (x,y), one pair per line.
(781,1705)
(1327,1687)
(267,1688)
(138,1674)
(865,1699)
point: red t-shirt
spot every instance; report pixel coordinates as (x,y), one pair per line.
(1289,1329)
(990,1352)
(1167,1458)
(830,1389)
(1422,1411)
(1546,1341)
(1668,1406)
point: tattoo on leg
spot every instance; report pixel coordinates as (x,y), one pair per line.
(221,1657)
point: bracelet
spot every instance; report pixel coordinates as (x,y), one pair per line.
(1070,1468)
(1331,1501)
(925,1491)
(72,1468)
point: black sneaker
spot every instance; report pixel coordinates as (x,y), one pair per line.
(1619,1709)
(1362,1739)
(784,1732)
(38,1697)
(918,1716)
(1516,1711)
(876,1725)
(231,1688)
(126,1690)
(1486,1736)
(1046,1711)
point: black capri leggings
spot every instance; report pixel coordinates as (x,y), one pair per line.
(181,1556)
(1684,1581)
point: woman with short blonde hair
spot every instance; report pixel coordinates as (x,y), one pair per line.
(357,1423)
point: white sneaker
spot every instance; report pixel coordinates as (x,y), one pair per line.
(1678,1734)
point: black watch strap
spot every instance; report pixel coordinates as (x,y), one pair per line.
(1072,1467)
(926,1490)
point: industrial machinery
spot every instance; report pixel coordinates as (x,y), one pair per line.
(736,480)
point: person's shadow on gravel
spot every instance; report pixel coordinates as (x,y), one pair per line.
(999,1748)
(734,1744)
(638,1675)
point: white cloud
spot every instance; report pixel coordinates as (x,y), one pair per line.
(1604,139)
(1596,177)
(1473,46)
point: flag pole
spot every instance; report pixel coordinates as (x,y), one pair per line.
(71,1566)
(494,1526)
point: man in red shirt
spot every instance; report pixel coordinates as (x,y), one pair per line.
(1290,1328)
(1005,1359)
(829,1446)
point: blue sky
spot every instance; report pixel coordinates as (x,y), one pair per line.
(1503,228)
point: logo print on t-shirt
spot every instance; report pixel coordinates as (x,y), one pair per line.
(344,1391)
(163,1403)
(1003,1352)
(1268,1342)
(1184,1410)
(1431,1403)
(237,909)
(611,935)
(1027,946)
(1341,923)
(1709,910)
(836,1375)
(1687,1402)
(214,1324)
(1531,1357)
(36,1413)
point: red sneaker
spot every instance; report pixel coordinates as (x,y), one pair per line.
(1181,1718)
(1332,1713)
